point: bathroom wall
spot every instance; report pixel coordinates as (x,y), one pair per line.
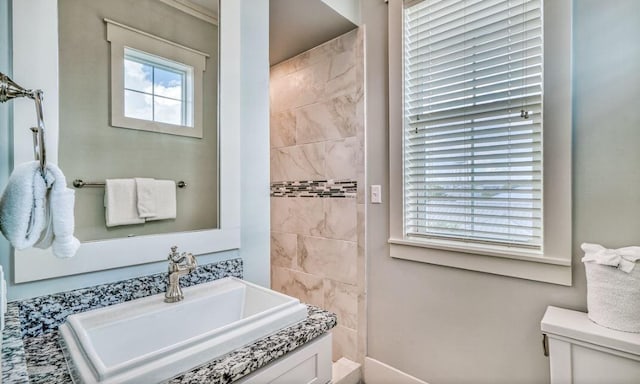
(350,9)
(249,24)
(317,179)
(445,325)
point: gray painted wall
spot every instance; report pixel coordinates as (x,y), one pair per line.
(445,325)
(91,149)
(299,25)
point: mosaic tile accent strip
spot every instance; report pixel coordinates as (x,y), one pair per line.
(45,314)
(315,188)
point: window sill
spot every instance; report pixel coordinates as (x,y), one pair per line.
(488,259)
(155,126)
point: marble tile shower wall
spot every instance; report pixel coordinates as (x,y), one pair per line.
(317,180)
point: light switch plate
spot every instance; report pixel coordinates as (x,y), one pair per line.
(376,194)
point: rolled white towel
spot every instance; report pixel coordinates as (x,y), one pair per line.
(29,218)
(61,204)
(23,215)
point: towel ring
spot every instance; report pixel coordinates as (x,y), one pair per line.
(10,90)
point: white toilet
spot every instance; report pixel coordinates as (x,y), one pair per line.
(582,352)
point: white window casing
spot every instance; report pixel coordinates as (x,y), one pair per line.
(128,42)
(480,156)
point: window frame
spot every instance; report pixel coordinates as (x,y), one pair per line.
(122,37)
(553,264)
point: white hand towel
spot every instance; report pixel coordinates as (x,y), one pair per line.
(22,206)
(146,192)
(32,216)
(165,193)
(120,202)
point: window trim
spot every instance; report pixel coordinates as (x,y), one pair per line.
(552,266)
(121,36)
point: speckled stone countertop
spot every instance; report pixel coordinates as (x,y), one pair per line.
(31,351)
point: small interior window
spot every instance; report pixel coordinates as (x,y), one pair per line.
(157,89)
(156,85)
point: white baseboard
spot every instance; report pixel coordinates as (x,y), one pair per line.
(376,372)
(345,371)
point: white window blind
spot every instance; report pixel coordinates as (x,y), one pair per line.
(473,121)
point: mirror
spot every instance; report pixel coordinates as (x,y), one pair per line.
(80,138)
(93,146)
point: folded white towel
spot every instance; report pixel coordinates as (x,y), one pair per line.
(120,202)
(28,217)
(165,193)
(146,190)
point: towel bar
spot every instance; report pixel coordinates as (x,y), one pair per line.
(79,183)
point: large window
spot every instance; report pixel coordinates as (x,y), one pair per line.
(473,121)
(467,128)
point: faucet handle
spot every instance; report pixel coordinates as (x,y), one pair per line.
(174,254)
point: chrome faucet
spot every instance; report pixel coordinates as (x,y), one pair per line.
(179,264)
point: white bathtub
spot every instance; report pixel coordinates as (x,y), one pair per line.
(149,341)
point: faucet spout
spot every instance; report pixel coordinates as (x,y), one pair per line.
(179,265)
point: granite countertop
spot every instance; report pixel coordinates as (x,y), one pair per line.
(31,352)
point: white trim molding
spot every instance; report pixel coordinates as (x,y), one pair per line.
(35,66)
(553,264)
(193,9)
(376,372)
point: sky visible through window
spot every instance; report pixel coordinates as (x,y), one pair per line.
(154,93)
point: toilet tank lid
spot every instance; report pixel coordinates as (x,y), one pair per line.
(576,325)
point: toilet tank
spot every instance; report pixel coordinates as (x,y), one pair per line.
(582,352)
